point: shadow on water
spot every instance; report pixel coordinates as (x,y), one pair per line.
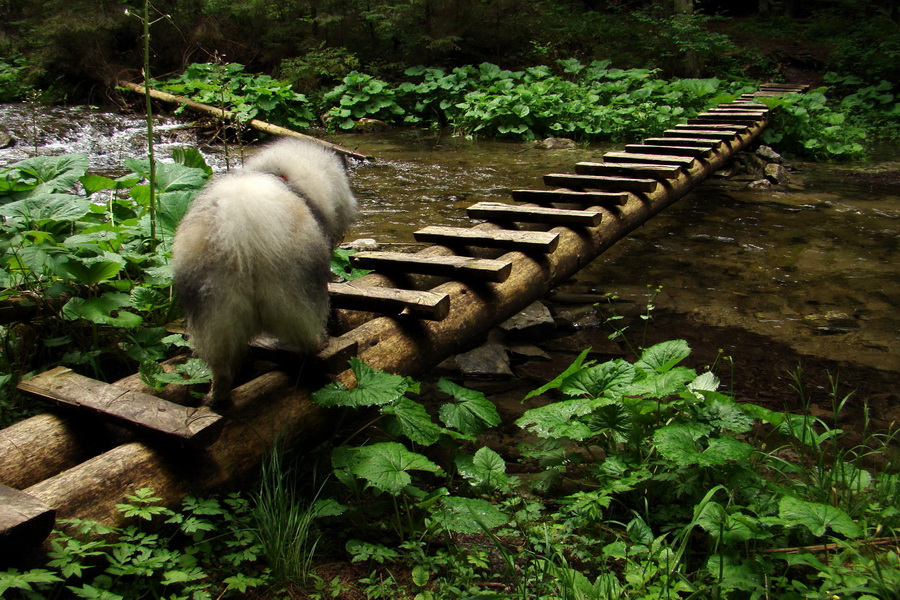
(806,274)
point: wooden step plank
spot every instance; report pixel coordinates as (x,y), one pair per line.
(698,142)
(545,197)
(705,134)
(25,522)
(391,301)
(653,171)
(661,159)
(524,241)
(725,119)
(497,211)
(667,150)
(743,109)
(733,127)
(600,182)
(333,357)
(126,408)
(457,267)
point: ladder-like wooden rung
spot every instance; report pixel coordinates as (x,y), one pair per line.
(667,150)
(658,159)
(743,109)
(726,119)
(25,521)
(524,241)
(732,127)
(693,142)
(705,134)
(653,171)
(461,267)
(390,301)
(333,356)
(545,197)
(126,408)
(497,211)
(600,182)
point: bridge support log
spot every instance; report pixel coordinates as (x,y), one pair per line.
(273,406)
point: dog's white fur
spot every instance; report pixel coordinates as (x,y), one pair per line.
(252,256)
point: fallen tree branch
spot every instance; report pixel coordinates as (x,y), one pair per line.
(231,116)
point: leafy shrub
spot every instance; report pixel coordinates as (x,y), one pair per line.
(13,81)
(313,68)
(250,96)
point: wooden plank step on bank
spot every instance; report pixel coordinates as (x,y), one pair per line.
(684,140)
(524,241)
(390,301)
(652,171)
(661,159)
(701,134)
(564,196)
(462,267)
(23,519)
(129,409)
(600,182)
(667,150)
(501,213)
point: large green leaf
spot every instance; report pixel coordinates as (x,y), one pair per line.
(385,466)
(108,309)
(562,419)
(486,470)
(93,270)
(374,388)
(468,515)
(687,444)
(170,177)
(557,381)
(817,517)
(606,379)
(55,173)
(48,207)
(470,412)
(663,356)
(413,421)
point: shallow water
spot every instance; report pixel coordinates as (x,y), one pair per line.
(814,268)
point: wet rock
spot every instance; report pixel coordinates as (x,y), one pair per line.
(488,361)
(759,184)
(553,143)
(769,155)
(528,352)
(747,166)
(535,322)
(6,140)
(361,244)
(777,174)
(366,125)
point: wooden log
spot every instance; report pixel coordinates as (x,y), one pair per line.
(728,109)
(231,116)
(726,119)
(463,267)
(663,149)
(733,128)
(703,134)
(391,301)
(333,356)
(563,196)
(693,142)
(499,212)
(600,182)
(25,522)
(131,410)
(525,241)
(651,171)
(661,159)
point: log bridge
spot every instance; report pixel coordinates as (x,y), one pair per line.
(412,312)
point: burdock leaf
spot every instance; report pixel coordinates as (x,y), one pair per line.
(470,412)
(374,388)
(385,466)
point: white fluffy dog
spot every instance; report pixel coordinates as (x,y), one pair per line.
(252,256)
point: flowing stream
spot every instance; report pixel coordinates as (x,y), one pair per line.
(810,270)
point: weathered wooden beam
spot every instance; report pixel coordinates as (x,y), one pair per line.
(463,267)
(684,140)
(732,127)
(131,410)
(729,109)
(563,196)
(661,159)
(25,521)
(651,171)
(499,212)
(703,134)
(600,182)
(723,118)
(663,149)
(526,241)
(391,301)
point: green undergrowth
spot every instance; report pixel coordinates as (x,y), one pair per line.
(588,102)
(625,480)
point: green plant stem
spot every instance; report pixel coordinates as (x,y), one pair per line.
(149,105)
